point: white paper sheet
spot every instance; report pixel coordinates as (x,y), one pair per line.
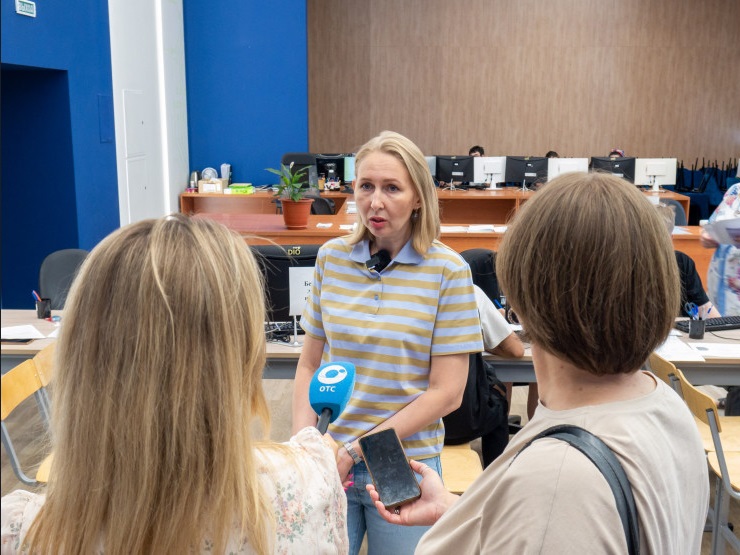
(454,229)
(500,228)
(324,225)
(717,350)
(725,232)
(480,228)
(681,231)
(674,349)
(21,332)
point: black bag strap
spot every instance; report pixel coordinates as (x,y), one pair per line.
(606,461)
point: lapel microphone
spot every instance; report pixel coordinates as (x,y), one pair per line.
(379,261)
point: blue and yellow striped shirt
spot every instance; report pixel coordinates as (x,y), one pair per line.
(390,325)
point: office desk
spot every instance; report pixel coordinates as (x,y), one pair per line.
(456,207)
(260,202)
(12,353)
(282,358)
(260,229)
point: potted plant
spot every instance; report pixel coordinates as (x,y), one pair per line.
(296,207)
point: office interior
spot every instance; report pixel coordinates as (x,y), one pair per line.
(108,106)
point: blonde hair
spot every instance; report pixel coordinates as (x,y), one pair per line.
(425,227)
(158,381)
(590,271)
(668,215)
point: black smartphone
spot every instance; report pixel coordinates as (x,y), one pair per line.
(389,468)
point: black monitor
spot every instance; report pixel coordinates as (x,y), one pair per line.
(331,165)
(303,160)
(455,169)
(274,262)
(621,167)
(526,169)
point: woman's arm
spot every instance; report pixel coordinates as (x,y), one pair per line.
(310,360)
(511,347)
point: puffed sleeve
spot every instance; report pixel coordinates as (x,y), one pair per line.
(19,508)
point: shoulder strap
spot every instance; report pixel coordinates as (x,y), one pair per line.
(604,459)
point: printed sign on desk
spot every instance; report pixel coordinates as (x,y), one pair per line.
(299,282)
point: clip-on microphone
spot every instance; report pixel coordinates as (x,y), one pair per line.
(379,261)
(330,390)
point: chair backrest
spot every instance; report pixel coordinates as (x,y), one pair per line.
(56,274)
(700,404)
(322,206)
(665,370)
(18,384)
(482,264)
(44,361)
(680,212)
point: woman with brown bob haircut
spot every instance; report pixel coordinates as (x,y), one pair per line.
(590,271)
(157,389)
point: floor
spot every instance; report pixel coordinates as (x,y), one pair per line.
(25,425)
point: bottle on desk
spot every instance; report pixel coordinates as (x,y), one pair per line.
(322,181)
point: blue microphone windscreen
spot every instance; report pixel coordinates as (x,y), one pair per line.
(331,388)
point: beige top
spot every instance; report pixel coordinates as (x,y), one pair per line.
(552,499)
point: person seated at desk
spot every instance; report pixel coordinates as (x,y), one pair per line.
(692,290)
(552,154)
(484,414)
(588,346)
(156,394)
(616,153)
(476,151)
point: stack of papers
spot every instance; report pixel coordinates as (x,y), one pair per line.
(474,228)
(725,232)
(351,207)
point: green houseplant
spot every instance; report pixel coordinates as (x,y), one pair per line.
(291,191)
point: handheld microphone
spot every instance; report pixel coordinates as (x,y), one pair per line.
(378,261)
(330,390)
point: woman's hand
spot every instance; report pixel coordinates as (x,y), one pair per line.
(706,240)
(426,510)
(344,467)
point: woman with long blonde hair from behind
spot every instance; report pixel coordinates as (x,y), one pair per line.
(156,393)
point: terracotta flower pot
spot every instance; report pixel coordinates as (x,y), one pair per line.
(295,212)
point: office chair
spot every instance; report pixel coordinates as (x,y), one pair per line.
(300,161)
(322,206)
(680,212)
(723,459)
(19,384)
(56,274)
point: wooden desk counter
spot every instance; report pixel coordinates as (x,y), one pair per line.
(260,229)
(260,202)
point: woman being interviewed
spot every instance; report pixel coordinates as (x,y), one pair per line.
(400,305)
(157,386)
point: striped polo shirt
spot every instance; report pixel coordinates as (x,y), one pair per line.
(389,325)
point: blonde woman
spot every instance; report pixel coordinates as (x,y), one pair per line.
(400,305)
(156,394)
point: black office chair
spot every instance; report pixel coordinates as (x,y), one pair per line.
(56,274)
(322,206)
(680,212)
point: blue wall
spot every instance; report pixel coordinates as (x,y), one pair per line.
(71,162)
(247,84)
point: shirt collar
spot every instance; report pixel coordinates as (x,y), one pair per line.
(360,253)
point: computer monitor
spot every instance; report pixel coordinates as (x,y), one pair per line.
(621,167)
(331,165)
(655,172)
(526,170)
(455,169)
(275,262)
(558,166)
(303,160)
(432,165)
(349,169)
(489,169)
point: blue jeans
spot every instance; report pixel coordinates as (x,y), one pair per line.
(362,516)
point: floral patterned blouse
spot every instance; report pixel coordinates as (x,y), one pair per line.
(309,501)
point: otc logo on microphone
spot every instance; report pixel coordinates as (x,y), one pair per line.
(332,374)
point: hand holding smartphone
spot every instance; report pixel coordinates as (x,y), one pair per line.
(389,468)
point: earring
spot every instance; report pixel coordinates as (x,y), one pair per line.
(415,215)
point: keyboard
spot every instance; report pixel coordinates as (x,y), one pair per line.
(713,324)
